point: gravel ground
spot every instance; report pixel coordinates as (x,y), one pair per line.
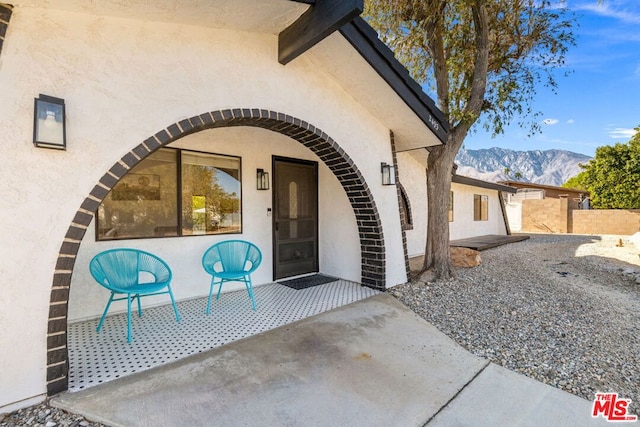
(44,416)
(561,309)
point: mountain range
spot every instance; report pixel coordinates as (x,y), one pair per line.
(549,167)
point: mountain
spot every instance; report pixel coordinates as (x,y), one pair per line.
(550,167)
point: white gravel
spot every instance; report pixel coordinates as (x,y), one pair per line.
(562,309)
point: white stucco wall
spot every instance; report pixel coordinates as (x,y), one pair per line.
(514,216)
(463,225)
(413,177)
(124,80)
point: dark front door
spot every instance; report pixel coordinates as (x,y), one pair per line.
(295,217)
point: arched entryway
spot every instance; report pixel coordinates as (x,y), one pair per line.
(329,152)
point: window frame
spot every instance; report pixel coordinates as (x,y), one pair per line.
(179,184)
(483,199)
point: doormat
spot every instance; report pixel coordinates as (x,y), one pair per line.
(308,281)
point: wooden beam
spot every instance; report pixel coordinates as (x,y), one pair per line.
(318,22)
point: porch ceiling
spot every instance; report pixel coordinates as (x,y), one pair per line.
(265,16)
(338,58)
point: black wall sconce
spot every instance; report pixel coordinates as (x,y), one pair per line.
(388,174)
(263,179)
(49,130)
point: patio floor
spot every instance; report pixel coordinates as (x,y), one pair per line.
(158,339)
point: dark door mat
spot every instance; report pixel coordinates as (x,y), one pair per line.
(308,281)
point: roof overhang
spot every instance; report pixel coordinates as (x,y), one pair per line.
(315,29)
(465,180)
(530,185)
(365,40)
(373,80)
(318,22)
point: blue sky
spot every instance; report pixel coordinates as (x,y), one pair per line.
(599,102)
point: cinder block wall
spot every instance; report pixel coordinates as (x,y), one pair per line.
(606,221)
(558,216)
(545,216)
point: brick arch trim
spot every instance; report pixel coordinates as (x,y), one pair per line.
(5,15)
(327,149)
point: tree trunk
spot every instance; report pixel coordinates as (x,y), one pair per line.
(437,256)
(439,167)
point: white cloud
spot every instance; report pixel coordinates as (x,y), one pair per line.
(622,133)
(570,121)
(550,122)
(609,11)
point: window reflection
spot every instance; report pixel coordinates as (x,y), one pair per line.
(145,201)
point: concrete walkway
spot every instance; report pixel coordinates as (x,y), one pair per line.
(370,363)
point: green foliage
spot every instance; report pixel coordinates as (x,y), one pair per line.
(613,176)
(575,182)
(438,41)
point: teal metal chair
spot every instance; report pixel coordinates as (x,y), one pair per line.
(231,261)
(133,273)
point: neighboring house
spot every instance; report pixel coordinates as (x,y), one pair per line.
(162,98)
(527,212)
(528,190)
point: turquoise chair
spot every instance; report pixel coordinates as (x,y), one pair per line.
(133,273)
(231,261)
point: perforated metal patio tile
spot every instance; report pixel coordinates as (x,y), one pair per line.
(96,358)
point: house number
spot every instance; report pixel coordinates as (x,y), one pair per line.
(433,123)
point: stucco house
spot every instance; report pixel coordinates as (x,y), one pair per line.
(169,127)
(289,111)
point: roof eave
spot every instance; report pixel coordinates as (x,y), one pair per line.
(365,40)
(465,180)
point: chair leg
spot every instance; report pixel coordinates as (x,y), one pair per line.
(105,313)
(128,318)
(249,286)
(210,294)
(219,289)
(137,297)
(173,302)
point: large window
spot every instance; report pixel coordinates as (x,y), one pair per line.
(480,207)
(174,193)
